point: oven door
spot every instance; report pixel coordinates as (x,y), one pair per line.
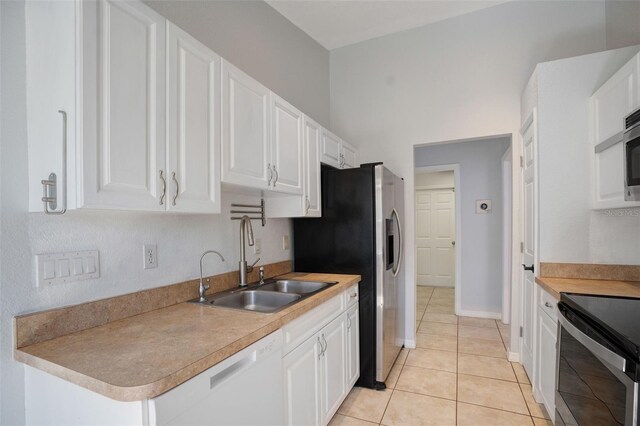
(591,386)
(632,164)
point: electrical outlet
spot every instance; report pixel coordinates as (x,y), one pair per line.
(257,246)
(150,254)
(285,242)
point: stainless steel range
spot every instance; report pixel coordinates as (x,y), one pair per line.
(598,359)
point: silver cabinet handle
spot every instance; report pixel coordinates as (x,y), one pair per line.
(307,205)
(548,305)
(270,175)
(326,345)
(173,176)
(341,161)
(348,323)
(164,187)
(275,177)
(321,348)
(49,186)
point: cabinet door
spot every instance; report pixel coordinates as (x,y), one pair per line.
(614,100)
(193,146)
(245,129)
(312,190)
(286,146)
(349,156)
(330,149)
(609,177)
(302,383)
(123,105)
(547,336)
(353,346)
(334,367)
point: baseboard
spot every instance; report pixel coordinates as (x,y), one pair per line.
(513,356)
(410,344)
(480,314)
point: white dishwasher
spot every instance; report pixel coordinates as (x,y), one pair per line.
(244,389)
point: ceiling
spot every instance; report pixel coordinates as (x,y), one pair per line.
(338,23)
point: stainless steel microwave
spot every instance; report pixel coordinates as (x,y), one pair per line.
(631,148)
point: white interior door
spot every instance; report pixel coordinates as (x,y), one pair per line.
(529,192)
(193,125)
(435,237)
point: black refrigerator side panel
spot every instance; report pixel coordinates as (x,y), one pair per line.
(343,241)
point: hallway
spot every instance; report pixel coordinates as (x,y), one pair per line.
(457,375)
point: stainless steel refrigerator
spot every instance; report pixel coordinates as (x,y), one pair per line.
(360,232)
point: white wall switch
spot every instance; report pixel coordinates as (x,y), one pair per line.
(150,254)
(57,268)
(257,246)
(285,242)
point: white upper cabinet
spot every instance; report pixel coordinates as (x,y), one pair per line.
(618,97)
(331,151)
(286,147)
(193,138)
(312,186)
(142,116)
(349,156)
(336,152)
(245,130)
(124,136)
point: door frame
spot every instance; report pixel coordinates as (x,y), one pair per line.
(507,238)
(455,168)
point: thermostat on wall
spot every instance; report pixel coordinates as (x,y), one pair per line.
(483,206)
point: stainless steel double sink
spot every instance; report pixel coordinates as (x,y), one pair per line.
(270,297)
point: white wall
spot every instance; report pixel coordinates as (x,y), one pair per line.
(481,234)
(117,235)
(256,38)
(457,79)
(569,230)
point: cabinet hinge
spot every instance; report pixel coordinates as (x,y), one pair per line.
(521,247)
(521,332)
(521,161)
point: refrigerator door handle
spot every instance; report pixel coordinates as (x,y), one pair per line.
(396,269)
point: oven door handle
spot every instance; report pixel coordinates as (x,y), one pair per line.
(610,357)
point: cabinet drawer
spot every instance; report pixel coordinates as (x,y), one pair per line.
(548,304)
(351,295)
(300,329)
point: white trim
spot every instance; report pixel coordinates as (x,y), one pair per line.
(507,261)
(458,211)
(479,314)
(430,187)
(410,343)
(513,356)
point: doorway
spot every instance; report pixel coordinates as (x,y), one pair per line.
(435,229)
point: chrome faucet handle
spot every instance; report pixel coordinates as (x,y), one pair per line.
(250,267)
(261,275)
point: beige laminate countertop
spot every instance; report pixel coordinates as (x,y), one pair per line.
(143,356)
(555,286)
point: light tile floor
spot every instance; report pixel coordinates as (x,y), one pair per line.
(457,375)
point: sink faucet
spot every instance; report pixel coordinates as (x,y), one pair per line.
(204,287)
(245,224)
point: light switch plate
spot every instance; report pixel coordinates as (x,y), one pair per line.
(257,246)
(58,268)
(285,242)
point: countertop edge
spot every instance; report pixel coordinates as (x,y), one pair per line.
(184,373)
(555,286)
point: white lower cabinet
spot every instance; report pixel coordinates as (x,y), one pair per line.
(320,372)
(545,355)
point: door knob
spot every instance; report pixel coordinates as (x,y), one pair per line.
(453,243)
(528,268)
